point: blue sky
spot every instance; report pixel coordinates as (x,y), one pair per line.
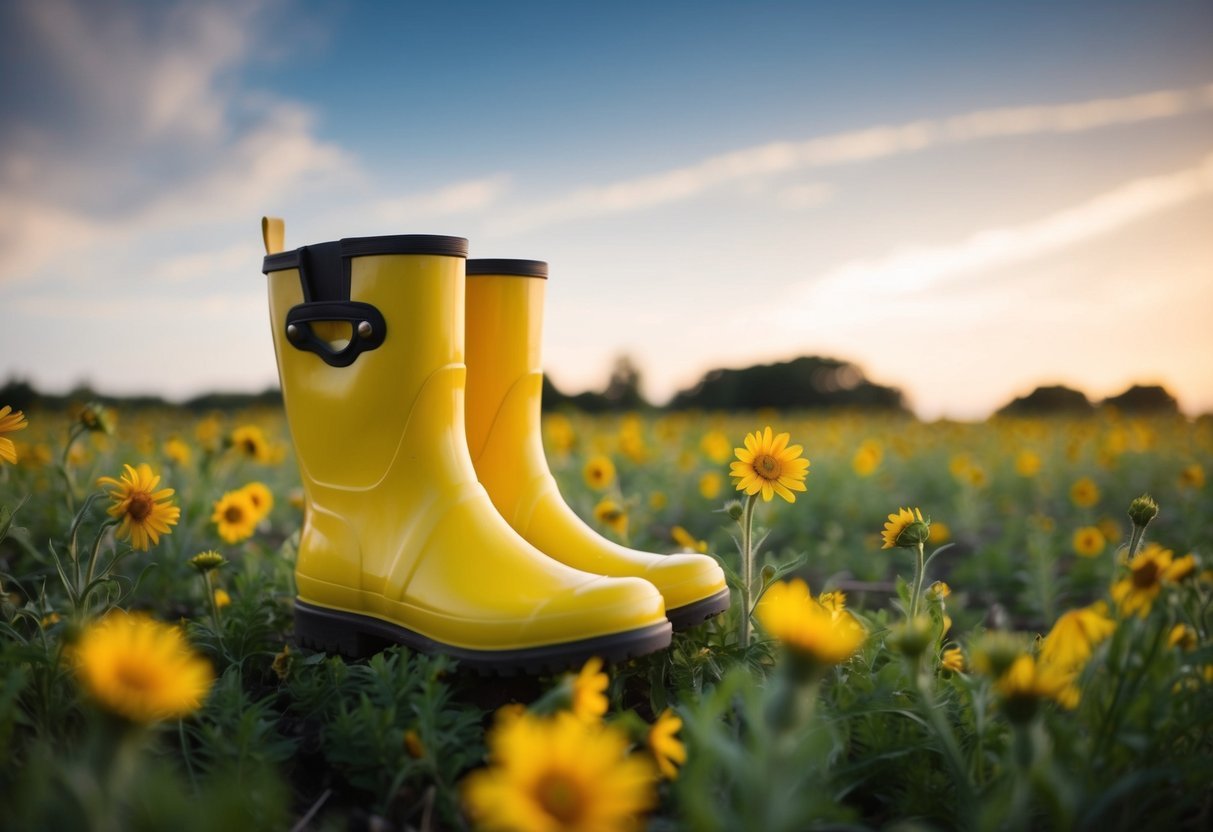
(966,199)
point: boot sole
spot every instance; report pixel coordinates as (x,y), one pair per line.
(358,636)
(695,613)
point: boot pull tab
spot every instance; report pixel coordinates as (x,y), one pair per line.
(273,234)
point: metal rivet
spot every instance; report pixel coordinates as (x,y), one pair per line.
(365,329)
(293,332)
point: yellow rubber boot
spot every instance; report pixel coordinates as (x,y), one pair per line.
(505,382)
(400,542)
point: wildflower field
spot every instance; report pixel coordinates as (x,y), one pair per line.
(955,626)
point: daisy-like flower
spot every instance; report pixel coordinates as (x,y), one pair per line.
(1027,464)
(145,512)
(668,751)
(1135,593)
(1181,569)
(789,614)
(589,700)
(941,533)
(1075,635)
(953,659)
(1183,637)
(710,484)
(10,421)
(906,529)
(140,669)
(768,465)
(1028,681)
(715,446)
(235,516)
(222,598)
(261,498)
(559,773)
(611,514)
(835,600)
(599,472)
(687,541)
(251,442)
(1089,542)
(867,458)
(178,451)
(1084,493)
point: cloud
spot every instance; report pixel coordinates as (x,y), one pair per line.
(144,131)
(850,147)
(470,196)
(915,269)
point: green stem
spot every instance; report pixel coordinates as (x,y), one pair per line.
(1139,533)
(919,575)
(747,567)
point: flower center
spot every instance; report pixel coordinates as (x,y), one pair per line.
(250,447)
(140,506)
(1146,575)
(233,514)
(134,677)
(560,798)
(767,467)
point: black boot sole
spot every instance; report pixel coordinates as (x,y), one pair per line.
(697,612)
(357,636)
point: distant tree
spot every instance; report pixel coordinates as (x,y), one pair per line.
(19,394)
(1055,399)
(1144,398)
(806,382)
(623,389)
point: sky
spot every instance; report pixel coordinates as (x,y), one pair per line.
(965,199)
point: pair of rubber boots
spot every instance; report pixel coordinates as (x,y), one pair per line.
(423,530)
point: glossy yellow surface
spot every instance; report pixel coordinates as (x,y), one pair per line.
(397,526)
(505,382)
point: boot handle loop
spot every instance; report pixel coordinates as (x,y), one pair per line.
(368,329)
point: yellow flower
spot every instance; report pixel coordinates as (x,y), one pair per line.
(715,446)
(1028,681)
(612,515)
(939,589)
(589,700)
(688,541)
(1089,541)
(905,529)
(953,659)
(1135,594)
(250,441)
(235,516)
(222,599)
(668,751)
(145,512)
(941,533)
(1074,636)
(1180,569)
(599,472)
(710,484)
(559,773)
(769,465)
(835,600)
(1110,530)
(560,432)
(867,458)
(413,745)
(141,669)
(261,498)
(1192,476)
(10,421)
(1027,463)
(1084,493)
(177,451)
(207,432)
(1183,637)
(789,614)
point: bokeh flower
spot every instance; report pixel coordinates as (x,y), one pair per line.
(789,614)
(140,669)
(589,701)
(1027,463)
(250,442)
(710,484)
(1075,634)
(1029,680)
(1084,493)
(1135,593)
(610,514)
(668,751)
(559,773)
(687,541)
(1089,541)
(599,472)
(145,511)
(768,465)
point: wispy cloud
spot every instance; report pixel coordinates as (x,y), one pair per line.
(914,269)
(850,147)
(467,197)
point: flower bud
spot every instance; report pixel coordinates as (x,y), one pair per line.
(911,638)
(733,509)
(1143,510)
(206,561)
